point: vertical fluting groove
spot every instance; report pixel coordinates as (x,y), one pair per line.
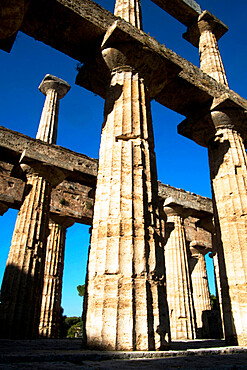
(201,295)
(179,293)
(48,123)
(23,276)
(128,298)
(51,299)
(229,187)
(210,57)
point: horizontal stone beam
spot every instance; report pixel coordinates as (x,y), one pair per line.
(74,196)
(79,30)
(185,11)
(196,205)
(16,146)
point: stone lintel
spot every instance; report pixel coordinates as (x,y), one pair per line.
(141,53)
(200,206)
(200,128)
(7,43)
(11,191)
(185,11)
(14,146)
(199,246)
(186,207)
(78,32)
(73,197)
(218,28)
(72,200)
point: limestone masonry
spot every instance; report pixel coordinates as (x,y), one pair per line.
(146,280)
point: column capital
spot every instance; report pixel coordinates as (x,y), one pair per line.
(51,82)
(198,247)
(205,21)
(226,112)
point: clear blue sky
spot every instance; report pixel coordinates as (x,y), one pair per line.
(180,162)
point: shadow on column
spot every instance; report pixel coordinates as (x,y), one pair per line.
(19,316)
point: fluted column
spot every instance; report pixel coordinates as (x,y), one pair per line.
(125,297)
(200,287)
(54,89)
(204,34)
(53,276)
(22,285)
(178,281)
(210,58)
(227,159)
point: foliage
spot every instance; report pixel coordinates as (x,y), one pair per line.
(213,300)
(81,290)
(75,330)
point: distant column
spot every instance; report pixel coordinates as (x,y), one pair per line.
(53,276)
(178,281)
(204,34)
(22,285)
(200,287)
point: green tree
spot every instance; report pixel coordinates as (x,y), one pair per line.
(213,300)
(81,290)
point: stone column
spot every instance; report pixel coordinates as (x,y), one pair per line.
(200,287)
(125,300)
(178,281)
(53,276)
(222,131)
(214,257)
(204,35)
(227,159)
(22,285)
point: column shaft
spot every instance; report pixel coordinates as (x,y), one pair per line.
(210,58)
(125,309)
(201,295)
(178,282)
(227,159)
(23,279)
(47,130)
(53,275)
(130,10)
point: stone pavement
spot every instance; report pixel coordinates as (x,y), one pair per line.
(67,353)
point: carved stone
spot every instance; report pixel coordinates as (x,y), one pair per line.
(178,282)
(200,288)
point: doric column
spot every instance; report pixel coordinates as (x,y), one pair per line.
(23,279)
(53,276)
(204,35)
(178,281)
(125,297)
(54,89)
(200,287)
(223,132)
(227,160)
(214,257)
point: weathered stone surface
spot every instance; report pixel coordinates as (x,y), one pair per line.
(193,32)
(76,166)
(53,276)
(125,299)
(54,89)
(185,11)
(21,292)
(200,287)
(178,282)
(23,279)
(73,200)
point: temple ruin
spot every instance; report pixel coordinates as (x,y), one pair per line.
(146,280)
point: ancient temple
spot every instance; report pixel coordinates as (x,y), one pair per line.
(146,280)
